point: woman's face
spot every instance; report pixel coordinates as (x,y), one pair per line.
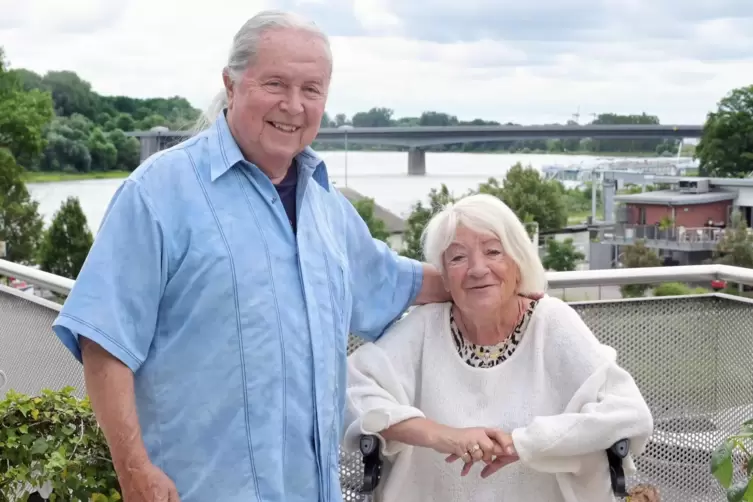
(478,273)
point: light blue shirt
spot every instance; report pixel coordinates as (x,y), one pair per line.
(235,328)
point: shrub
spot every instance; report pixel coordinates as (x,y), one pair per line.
(671,289)
(722,465)
(54,440)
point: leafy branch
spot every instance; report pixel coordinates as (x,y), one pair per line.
(53,440)
(722,465)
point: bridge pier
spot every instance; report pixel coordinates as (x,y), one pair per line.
(149,146)
(416,162)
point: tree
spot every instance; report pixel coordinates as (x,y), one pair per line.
(376,117)
(736,247)
(726,146)
(377,227)
(20,222)
(67,242)
(23,116)
(638,256)
(562,256)
(103,152)
(531,197)
(419,218)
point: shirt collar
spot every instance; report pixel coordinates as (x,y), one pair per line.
(226,154)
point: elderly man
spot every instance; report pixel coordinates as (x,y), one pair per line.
(213,311)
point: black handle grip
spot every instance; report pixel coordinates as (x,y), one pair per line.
(372,463)
(615,455)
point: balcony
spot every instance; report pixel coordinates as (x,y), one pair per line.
(672,238)
(691,357)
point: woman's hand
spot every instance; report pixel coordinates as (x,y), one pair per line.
(471,445)
(502,450)
(509,454)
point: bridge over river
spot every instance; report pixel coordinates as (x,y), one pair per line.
(417,139)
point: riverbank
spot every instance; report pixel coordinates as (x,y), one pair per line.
(52,177)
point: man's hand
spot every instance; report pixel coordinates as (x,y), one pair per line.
(504,454)
(147,483)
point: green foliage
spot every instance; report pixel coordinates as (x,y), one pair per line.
(736,247)
(677,289)
(723,461)
(419,218)
(377,227)
(638,256)
(726,147)
(20,222)
(579,200)
(54,438)
(23,115)
(534,200)
(87,133)
(531,197)
(67,242)
(562,256)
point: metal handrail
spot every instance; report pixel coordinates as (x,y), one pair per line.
(36,277)
(650,275)
(580,278)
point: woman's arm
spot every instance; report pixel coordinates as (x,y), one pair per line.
(455,442)
(608,407)
(381,382)
(604,403)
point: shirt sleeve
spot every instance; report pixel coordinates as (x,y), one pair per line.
(604,403)
(115,299)
(383,283)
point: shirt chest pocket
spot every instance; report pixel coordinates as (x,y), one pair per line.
(330,242)
(336,264)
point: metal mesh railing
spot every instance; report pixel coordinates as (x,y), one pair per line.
(690,356)
(692,359)
(31,356)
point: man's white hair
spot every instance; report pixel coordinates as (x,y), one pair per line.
(486,213)
(245,49)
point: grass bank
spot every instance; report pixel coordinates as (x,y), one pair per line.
(576,218)
(51,177)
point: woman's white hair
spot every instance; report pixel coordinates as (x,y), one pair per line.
(245,49)
(486,213)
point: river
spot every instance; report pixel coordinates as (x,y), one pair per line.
(381,175)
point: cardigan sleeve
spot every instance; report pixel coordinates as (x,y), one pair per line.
(382,381)
(604,404)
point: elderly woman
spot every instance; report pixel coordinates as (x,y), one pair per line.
(518,389)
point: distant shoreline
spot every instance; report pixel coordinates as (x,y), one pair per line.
(53,177)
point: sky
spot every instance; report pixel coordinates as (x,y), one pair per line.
(523,61)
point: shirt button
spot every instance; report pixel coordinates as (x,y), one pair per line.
(274,199)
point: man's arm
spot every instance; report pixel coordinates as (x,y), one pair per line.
(382,283)
(432,288)
(109,384)
(108,323)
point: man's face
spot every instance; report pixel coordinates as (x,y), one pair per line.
(275,109)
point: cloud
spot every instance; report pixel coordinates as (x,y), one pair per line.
(536,61)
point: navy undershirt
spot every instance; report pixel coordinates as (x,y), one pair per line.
(286,189)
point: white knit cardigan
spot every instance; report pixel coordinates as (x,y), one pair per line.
(561,395)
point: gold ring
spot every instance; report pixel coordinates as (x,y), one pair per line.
(466,457)
(475,448)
